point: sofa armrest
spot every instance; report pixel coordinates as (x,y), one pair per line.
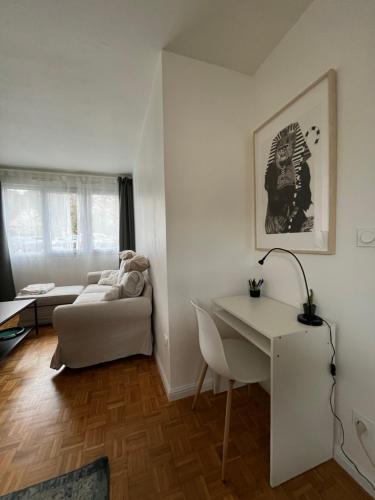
(93,277)
(100,315)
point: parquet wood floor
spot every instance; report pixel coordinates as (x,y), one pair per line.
(51,423)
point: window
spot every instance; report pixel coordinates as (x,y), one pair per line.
(105,222)
(62,223)
(61,218)
(24,221)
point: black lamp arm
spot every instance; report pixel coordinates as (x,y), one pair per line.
(300,265)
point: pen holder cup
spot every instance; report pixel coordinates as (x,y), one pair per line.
(254,292)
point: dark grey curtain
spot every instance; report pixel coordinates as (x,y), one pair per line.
(7,290)
(127,229)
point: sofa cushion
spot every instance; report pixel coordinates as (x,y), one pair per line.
(113,294)
(96,289)
(132,284)
(108,278)
(57,296)
(86,298)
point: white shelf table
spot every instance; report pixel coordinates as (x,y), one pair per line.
(302,425)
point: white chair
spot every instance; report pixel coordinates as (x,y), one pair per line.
(234,359)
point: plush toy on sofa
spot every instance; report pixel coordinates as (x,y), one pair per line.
(128,281)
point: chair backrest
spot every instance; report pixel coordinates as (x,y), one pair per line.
(210,342)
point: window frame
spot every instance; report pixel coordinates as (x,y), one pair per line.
(83,203)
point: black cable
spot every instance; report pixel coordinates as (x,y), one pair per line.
(333,375)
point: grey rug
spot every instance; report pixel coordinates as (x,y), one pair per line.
(90,482)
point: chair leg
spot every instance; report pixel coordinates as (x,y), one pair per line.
(226,428)
(200,383)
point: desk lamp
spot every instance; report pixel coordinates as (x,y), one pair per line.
(308,317)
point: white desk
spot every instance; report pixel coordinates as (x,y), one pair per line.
(301,422)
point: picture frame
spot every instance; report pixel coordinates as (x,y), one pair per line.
(294,157)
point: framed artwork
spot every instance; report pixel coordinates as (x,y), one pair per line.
(295,173)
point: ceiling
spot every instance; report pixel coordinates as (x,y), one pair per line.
(238,34)
(76,74)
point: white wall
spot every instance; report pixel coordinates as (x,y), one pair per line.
(208,114)
(207,120)
(336,34)
(149,206)
(61,270)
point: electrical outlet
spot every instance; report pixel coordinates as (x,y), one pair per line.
(166,340)
(364,429)
(368,423)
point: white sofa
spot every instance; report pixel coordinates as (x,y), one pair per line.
(92,331)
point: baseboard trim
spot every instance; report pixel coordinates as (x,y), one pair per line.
(345,464)
(183,391)
(163,376)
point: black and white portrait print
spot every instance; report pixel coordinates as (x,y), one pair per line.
(295,172)
(287,181)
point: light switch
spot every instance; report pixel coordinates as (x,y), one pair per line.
(366,237)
